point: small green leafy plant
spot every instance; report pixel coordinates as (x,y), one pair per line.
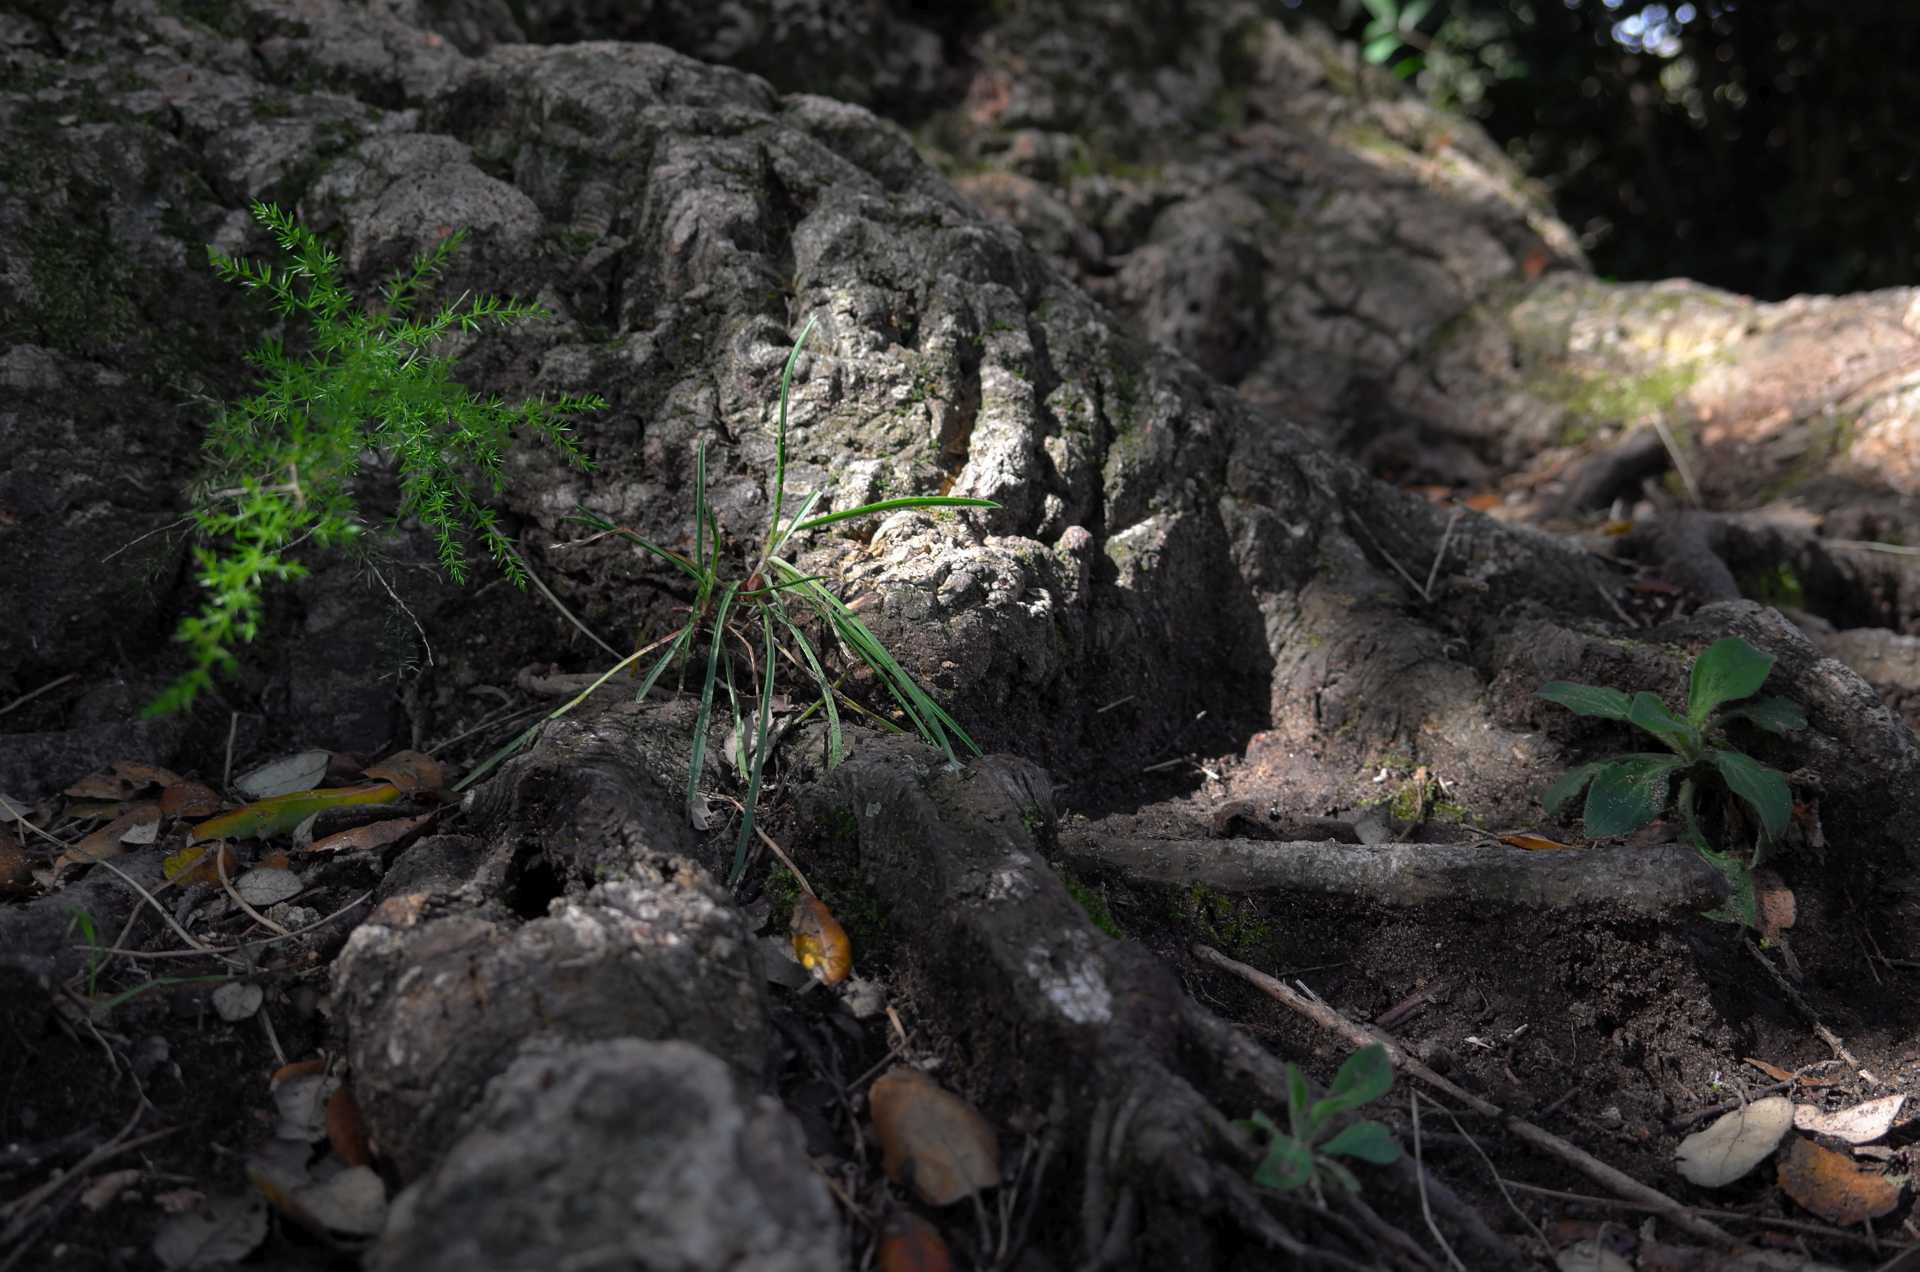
(750,611)
(283,461)
(1302,1154)
(1625,792)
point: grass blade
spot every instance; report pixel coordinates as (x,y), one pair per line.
(929,721)
(705,718)
(780,438)
(700,505)
(760,748)
(589,518)
(492,761)
(889,505)
(781,536)
(836,746)
(680,643)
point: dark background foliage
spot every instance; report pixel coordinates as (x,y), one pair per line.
(1766,146)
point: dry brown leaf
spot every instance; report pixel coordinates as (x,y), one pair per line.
(95,809)
(1774,900)
(819,942)
(1773,1071)
(1831,1186)
(373,835)
(909,1243)
(16,872)
(932,1139)
(102,786)
(189,799)
(411,771)
(298,1069)
(346,1133)
(1532,843)
(1861,1124)
(137,825)
(143,775)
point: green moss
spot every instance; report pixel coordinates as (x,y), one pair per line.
(1233,923)
(1604,400)
(1409,803)
(1094,904)
(1779,586)
(783,890)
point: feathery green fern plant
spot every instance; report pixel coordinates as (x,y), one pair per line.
(750,612)
(283,461)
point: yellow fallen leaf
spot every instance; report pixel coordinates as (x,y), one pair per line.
(819,942)
(279,814)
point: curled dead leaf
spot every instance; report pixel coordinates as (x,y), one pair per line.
(411,771)
(819,942)
(103,786)
(1735,1143)
(139,824)
(16,872)
(285,776)
(909,1243)
(1831,1186)
(930,1138)
(1773,899)
(378,834)
(1861,1124)
(346,1132)
(189,799)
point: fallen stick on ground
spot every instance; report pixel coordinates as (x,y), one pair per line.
(1592,1167)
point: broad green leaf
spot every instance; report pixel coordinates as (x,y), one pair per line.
(1288,1165)
(1299,1102)
(281,813)
(1587,700)
(1742,907)
(1367,1141)
(1386,12)
(1726,671)
(1763,789)
(1337,1174)
(1379,50)
(1366,1076)
(1775,715)
(1652,715)
(1411,15)
(1628,793)
(1571,783)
